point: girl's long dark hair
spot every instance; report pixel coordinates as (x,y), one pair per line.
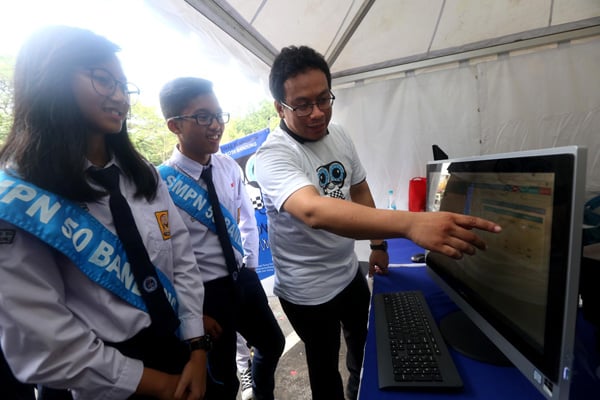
(48,140)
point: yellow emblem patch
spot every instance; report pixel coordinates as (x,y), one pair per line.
(162,217)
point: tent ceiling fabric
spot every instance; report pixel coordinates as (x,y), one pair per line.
(358,36)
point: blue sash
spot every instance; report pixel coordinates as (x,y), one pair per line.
(65,226)
(193,199)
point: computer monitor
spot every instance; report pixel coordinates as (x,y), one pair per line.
(522,292)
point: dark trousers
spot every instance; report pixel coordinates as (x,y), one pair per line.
(319,328)
(241,307)
(10,387)
(164,353)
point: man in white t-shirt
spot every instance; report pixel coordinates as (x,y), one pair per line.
(318,202)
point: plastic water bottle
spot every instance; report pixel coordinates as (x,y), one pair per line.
(391,201)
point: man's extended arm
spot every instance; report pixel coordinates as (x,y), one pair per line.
(447,233)
(378,259)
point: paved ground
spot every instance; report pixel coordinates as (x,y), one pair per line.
(291,377)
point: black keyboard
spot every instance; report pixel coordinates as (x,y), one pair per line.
(411,353)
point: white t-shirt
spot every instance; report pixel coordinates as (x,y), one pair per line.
(311,265)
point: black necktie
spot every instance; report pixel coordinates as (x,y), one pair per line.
(161,313)
(220,224)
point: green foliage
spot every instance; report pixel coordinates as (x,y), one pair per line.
(264,116)
(6,90)
(149,133)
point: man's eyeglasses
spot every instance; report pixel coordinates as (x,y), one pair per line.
(205,119)
(304,110)
(105,85)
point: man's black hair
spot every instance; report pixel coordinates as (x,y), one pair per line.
(292,61)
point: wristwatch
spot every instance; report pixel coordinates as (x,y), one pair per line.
(382,246)
(200,343)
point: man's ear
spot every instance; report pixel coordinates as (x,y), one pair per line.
(279,108)
(173,126)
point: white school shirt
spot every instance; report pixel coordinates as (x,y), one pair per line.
(54,320)
(233,196)
(311,265)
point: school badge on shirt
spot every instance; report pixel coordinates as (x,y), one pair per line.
(7,236)
(162,217)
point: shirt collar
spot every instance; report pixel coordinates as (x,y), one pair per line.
(187,165)
(295,136)
(112,161)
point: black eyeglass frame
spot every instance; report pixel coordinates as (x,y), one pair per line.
(311,106)
(221,117)
(128,89)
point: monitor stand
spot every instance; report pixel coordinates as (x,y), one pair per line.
(463,336)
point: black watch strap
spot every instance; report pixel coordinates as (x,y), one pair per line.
(383,246)
(201,343)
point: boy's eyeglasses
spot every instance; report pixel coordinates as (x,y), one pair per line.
(105,84)
(205,119)
(304,110)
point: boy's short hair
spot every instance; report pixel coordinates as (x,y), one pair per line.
(175,95)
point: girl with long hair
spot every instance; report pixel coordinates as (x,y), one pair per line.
(73,314)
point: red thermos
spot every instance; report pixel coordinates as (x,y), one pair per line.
(417,190)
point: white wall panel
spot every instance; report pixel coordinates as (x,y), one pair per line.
(394,123)
(540,99)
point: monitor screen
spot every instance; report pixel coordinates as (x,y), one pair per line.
(521,292)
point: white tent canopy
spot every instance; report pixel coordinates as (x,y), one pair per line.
(474,76)
(371,35)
